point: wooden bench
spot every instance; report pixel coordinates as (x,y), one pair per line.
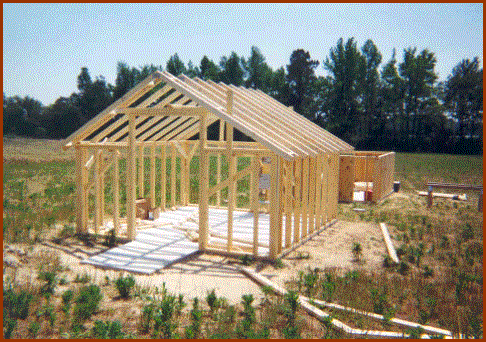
(432,185)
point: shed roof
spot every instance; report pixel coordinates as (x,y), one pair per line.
(253,112)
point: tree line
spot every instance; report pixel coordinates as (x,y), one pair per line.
(398,105)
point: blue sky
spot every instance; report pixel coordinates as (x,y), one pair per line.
(45,45)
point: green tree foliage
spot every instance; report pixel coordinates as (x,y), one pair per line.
(259,73)
(175,65)
(232,69)
(301,78)
(347,68)
(464,97)
(396,106)
(209,70)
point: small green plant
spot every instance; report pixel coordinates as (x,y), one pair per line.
(84,279)
(303,256)
(146,317)
(111,330)
(51,279)
(246,259)
(124,285)
(110,239)
(310,281)
(467,232)
(87,301)
(328,288)
(403,268)
(66,300)
(428,272)
(379,299)
(357,251)
(163,317)
(388,262)
(16,304)
(213,302)
(33,329)
(278,263)
(193,331)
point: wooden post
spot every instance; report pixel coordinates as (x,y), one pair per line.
(219,157)
(185,178)
(288,203)
(232,171)
(429,197)
(97,180)
(132,179)
(116,195)
(203,185)
(102,188)
(281,202)
(152,176)
(298,198)
(81,178)
(274,208)
(173,168)
(305,195)
(318,211)
(254,201)
(141,166)
(163,174)
(312,194)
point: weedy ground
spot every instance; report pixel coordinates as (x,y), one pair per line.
(439,280)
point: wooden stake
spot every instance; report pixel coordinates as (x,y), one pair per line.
(131,181)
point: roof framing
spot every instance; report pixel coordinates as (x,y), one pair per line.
(174,112)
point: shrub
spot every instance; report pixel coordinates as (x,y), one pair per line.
(388,262)
(357,251)
(16,304)
(212,301)
(246,259)
(194,329)
(146,317)
(328,288)
(403,268)
(379,299)
(310,281)
(467,232)
(110,239)
(428,272)
(87,302)
(163,317)
(33,329)
(278,263)
(51,279)
(124,285)
(107,329)
(84,279)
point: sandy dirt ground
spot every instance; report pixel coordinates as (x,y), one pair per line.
(198,275)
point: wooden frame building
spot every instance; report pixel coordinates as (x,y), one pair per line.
(162,124)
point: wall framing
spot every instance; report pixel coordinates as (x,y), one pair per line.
(134,146)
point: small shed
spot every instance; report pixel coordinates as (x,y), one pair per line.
(149,153)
